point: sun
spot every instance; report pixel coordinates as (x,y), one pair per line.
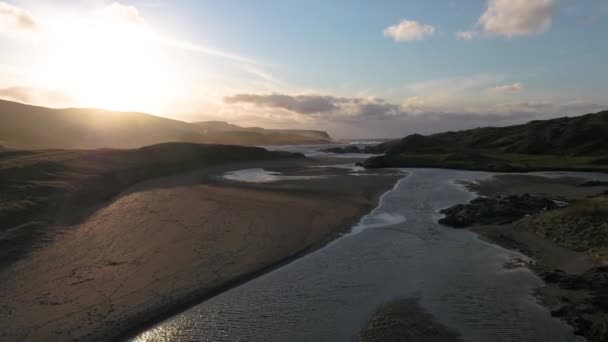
(107,62)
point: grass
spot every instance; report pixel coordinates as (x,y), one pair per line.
(583,226)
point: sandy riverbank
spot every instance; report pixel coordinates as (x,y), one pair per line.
(570,275)
(166,244)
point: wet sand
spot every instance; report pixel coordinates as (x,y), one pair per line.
(403,320)
(164,245)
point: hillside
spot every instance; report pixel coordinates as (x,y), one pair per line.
(568,143)
(31,127)
(577,136)
(219,132)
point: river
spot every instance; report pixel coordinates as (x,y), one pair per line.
(396,251)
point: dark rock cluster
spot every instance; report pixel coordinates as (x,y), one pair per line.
(495,210)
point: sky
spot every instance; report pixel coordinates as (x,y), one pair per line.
(357,69)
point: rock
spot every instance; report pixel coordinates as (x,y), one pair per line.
(562,311)
(582,326)
(553,276)
(574,282)
(495,210)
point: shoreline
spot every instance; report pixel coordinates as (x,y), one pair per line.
(333,235)
(339,202)
(565,272)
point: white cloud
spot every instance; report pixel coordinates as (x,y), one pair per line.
(16,20)
(125,13)
(466,35)
(456,85)
(515,87)
(552,107)
(421,104)
(409,30)
(511,18)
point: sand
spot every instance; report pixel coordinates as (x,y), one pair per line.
(403,320)
(164,245)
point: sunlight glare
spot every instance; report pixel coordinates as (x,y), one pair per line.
(110,63)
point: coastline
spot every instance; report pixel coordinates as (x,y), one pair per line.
(87,300)
(566,273)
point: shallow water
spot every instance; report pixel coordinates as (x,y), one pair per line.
(262,176)
(315,150)
(397,251)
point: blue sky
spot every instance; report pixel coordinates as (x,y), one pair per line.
(340,43)
(355,68)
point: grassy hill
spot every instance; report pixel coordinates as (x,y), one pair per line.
(31,127)
(581,135)
(568,143)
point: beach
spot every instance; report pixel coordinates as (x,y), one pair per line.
(166,244)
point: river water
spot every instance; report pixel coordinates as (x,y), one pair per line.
(397,251)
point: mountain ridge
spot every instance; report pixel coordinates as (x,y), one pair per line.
(25,126)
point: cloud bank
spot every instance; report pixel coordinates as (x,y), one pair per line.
(374,117)
(322,106)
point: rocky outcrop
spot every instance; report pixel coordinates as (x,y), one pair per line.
(495,210)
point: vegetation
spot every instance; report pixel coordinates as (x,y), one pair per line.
(42,187)
(577,143)
(583,226)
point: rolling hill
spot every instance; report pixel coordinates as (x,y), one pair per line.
(32,127)
(580,135)
(567,143)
